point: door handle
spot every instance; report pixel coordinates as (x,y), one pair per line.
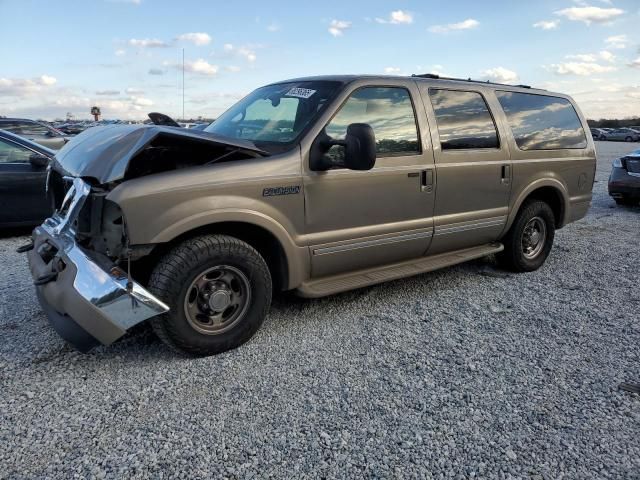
(427,180)
(506,174)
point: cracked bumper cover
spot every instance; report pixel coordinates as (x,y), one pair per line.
(85,298)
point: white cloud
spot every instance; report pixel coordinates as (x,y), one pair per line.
(617,41)
(397,17)
(232,68)
(200,67)
(120,52)
(20,87)
(247,52)
(500,74)
(464,25)
(273,27)
(148,43)
(197,38)
(108,92)
(392,70)
(141,101)
(635,63)
(593,57)
(589,14)
(47,80)
(134,91)
(547,24)
(607,56)
(579,68)
(337,27)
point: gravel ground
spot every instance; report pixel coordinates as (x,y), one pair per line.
(467,372)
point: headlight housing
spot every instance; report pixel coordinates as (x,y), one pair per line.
(617,163)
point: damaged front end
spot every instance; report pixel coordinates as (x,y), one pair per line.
(80,257)
(88,299)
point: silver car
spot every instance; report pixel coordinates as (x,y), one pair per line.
(37,132)
(624,135)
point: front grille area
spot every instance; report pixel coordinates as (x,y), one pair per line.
(633,165)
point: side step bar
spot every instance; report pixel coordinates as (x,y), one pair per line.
(371,276)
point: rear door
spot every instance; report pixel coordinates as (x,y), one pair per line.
(22,186)
(473,167)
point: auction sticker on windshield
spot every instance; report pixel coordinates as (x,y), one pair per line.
(300,92)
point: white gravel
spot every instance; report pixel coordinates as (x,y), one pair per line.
(467,372)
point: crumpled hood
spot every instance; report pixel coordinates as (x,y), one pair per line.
(104,153)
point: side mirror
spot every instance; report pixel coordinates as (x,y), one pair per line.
(38,160)
(359,149)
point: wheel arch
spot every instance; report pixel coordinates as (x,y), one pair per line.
(285,260)
(551,191)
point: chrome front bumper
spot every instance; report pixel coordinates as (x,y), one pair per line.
(87,299)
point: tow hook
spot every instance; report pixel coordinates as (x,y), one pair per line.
(25,248)
(57,265)
(46,278)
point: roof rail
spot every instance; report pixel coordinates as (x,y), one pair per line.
(435,76)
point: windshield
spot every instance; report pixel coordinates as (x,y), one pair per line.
(276,115)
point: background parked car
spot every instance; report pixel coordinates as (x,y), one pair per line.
(624,135)
(624,181)
(35,131)
(598,134)
(23,200)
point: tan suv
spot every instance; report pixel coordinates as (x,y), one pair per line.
(317,185)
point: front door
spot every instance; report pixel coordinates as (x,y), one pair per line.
(360,219)
(23,199)
(473,167)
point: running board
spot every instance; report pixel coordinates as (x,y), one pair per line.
(371,276)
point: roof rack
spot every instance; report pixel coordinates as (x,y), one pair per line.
(435,76)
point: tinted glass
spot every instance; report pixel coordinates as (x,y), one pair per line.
(463,119)
(541,122)
(11,126)
(388,111)
(34,129)
(275,115)
(12,153)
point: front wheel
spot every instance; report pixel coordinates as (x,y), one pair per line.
(218,289)
(628,139)
(530,238)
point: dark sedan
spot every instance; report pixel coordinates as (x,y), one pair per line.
(23,171)
(624,181)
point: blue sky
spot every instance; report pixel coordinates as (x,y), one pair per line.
(126,55)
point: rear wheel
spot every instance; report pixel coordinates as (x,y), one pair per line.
(219,292)
(530,238)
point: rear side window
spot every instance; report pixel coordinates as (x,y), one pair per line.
(542,122)
(463,119)
(34,129)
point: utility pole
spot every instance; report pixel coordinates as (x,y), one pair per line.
(183,84)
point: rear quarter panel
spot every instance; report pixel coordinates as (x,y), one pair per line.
(570,171)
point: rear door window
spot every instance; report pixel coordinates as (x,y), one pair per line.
(464,120)
(542,122)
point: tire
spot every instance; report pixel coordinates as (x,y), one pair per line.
(218,289)
(628,139)
(518,254)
